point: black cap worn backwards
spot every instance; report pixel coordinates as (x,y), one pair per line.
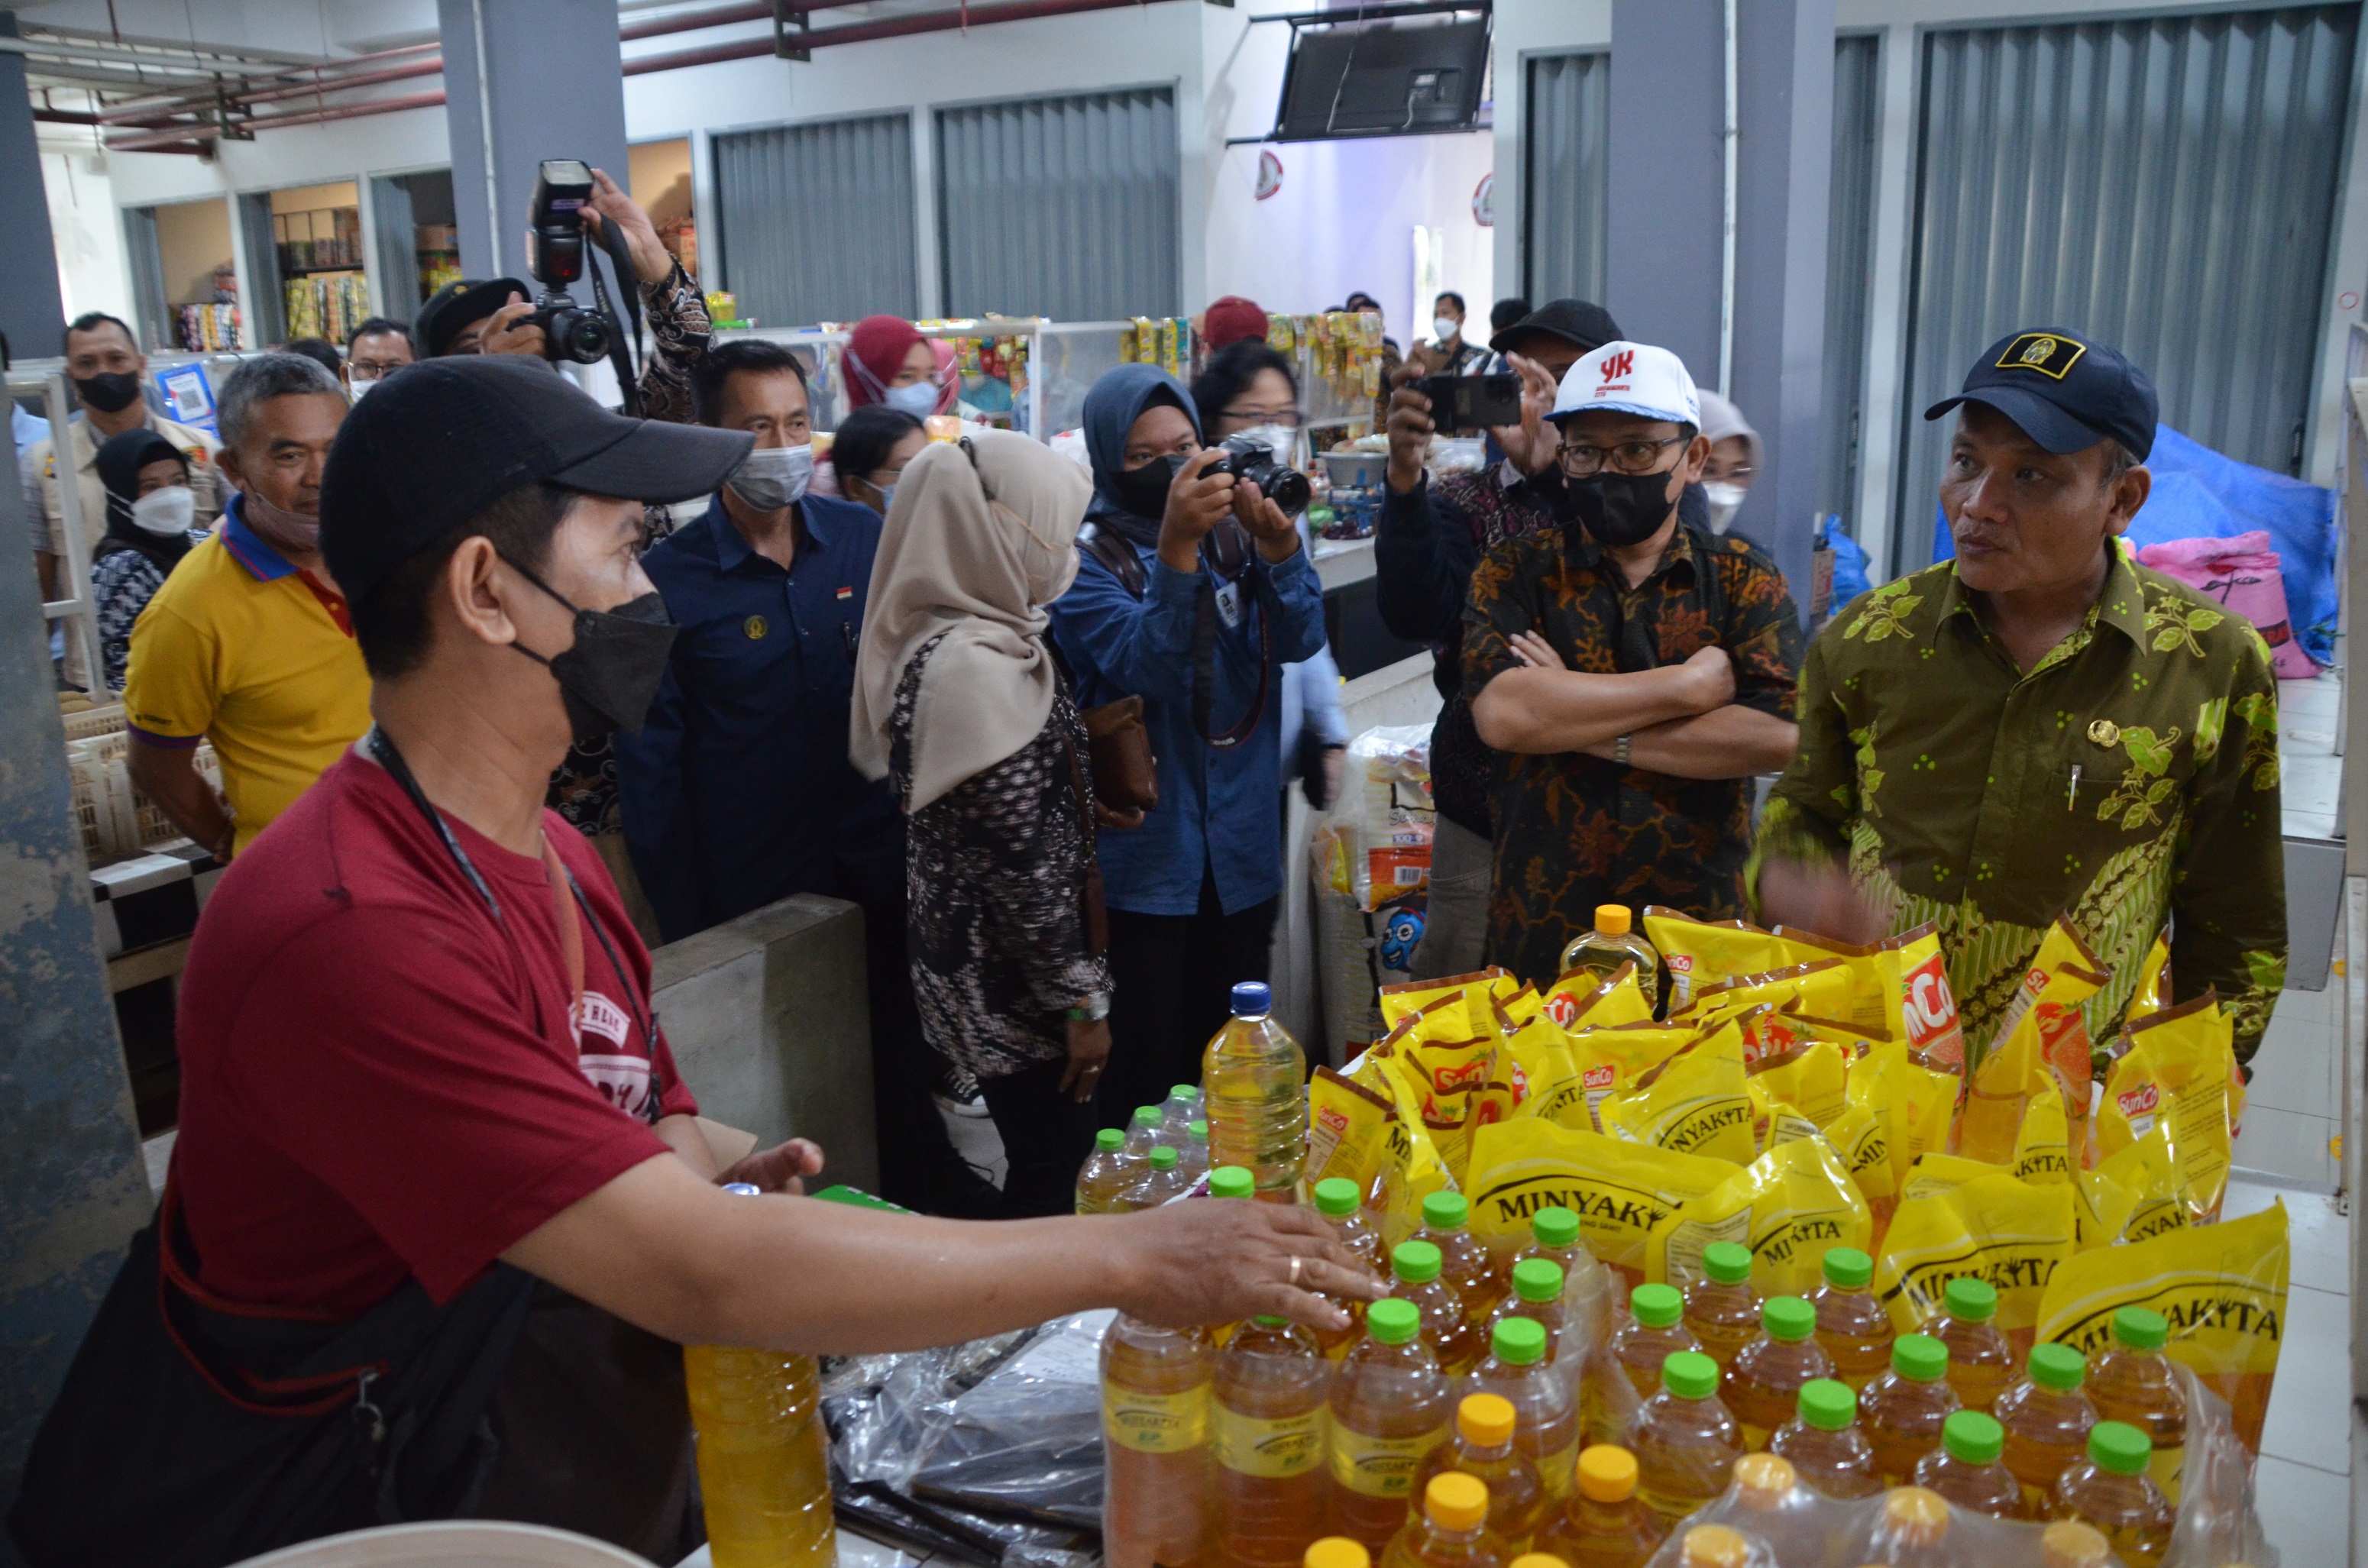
(436,445)
(458,304)
(2064,393)
(1584,326)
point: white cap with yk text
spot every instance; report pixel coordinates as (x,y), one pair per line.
(1631,378)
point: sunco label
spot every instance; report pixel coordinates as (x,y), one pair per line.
(1157,1422)
(1930,1011)
(1270,1448)
(1380,1467)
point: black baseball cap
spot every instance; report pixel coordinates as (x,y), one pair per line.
(2063,390)
(1584,326)
(458,304)
(436,445)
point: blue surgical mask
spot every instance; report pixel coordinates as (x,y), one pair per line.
(887,497)
(919,400)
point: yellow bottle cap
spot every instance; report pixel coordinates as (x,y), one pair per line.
(1612,919)
(1607,1473)
(2069,1543)
(1538,1560)
(1485,1419)
(1337,1551)
(1916,1516)
(1715,1546)
(1766,1479)
(1456,1501)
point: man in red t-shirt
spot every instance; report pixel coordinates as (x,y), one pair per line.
(436,1163)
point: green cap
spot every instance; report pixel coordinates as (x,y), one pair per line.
(1231,1181)
(1969,1299)
(1188,1093)
(1268,1320)
(1846,1268)
(1690,1374)
(1537,1279)
(1197,1130)
(1727,1263)
(1657,1306)
(1109,1140)
(1446,1211)
(1788,1318)
(1335,1196)
(1392,1321)
(1972,1437)
(1146,1115)
(2140,1329)
(1919,1358)
(1519,1342)
(1828,1405)
(1554,1226)
(1417,1263)
(2058,1367)
(2119,1446)
(1164,1158)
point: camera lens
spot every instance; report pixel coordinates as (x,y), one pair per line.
(583,339)
(1286,487)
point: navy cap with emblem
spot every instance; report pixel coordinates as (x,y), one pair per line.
(2064,391)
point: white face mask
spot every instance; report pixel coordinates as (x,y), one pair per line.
(355,389)
(919,400)
(1724,498)
(1444,328)
(770,477)
(1280,439)
(166,511)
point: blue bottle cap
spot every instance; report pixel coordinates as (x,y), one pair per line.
(1252,998)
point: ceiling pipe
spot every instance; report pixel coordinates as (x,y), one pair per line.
(158,142)
(692,22)
(64,117)
(867,32)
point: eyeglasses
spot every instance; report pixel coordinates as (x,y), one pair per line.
(1629,456)
(1289,418)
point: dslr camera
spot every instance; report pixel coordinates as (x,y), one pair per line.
(1253,462)
(554,249)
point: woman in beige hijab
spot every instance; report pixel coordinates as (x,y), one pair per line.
(957,701)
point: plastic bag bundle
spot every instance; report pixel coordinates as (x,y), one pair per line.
(1027,1441)
(1381,824)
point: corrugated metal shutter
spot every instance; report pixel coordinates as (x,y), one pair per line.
(1566,145)
(1062,207)
(2166,184)
(157,319)
(816,220)
(269,326)
(1849,245)
(398,247)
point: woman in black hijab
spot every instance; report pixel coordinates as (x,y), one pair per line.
(149,508)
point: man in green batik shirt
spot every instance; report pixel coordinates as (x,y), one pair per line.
(2041,726)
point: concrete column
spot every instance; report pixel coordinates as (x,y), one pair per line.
(32,312)
(1667,217)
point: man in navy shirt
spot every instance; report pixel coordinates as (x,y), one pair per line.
(738,793)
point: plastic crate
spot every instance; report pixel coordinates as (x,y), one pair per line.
(94,813)
(123,821)
(89,722)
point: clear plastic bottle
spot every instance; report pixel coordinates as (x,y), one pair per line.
(1414,1277)
(1156,1484)
(1980,1364)
(1162,1179)
(1722,1308)
(1612,943)
(1195,1151)
(1390,1406)
(1771,1505)
(1106,1173)
(2047,1419)
(1763,1387)
(764,1471)
(1824,1444)
(1484,1446)
(1450,1531)
(1903,1410)
(1142,1132)
(1537,1294)
(1654,1330)
(2069,1543)
(1851,1325)
(1465,1261)
(1715,1546)
(1585,1283)
(1253,1078)
(1604,1524)
(1178,1112)
(1337,1200)
(1545,1400)
(1337,1551)
(1267,1434)
(1966,1471)
(1684,1439)
(2111,1491)
(1913,1531)
(2133,1382)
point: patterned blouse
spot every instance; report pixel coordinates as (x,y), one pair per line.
(996,872)
(120,587)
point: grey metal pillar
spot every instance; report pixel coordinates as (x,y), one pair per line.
(32,312)
(1667,213)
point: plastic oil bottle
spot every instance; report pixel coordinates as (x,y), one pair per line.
(1684,1439)
(1267,1434)
(1106,1173)
(1715,1546)
(2047,1420)
(1450,1531)
(1484,1446)
(1824,1444)
(1585,1283)
(1337,1551)
(1544,1400)
(764,1474)
(1913,1531)
(1604,1524)
(1389,1409)
(1178,1112)
(1966,1471)
(1851,1325)
(1980,1364)
(2069,1543)
(1612,943)
(2111,1491)
(1722,1308)
(1162,1179)
(1902,1411)
(1464,1260)
(1195,1151)
(1763,1388)
(1414,1277)
(1253,1084)
(1537,1295)
(1156,1488)
(2133,1382)
(1337,1199)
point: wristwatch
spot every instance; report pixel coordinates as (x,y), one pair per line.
(1619,749)
(1093,1009)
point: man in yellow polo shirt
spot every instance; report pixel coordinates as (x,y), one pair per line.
(248,643)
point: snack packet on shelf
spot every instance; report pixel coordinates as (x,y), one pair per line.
(1701,953)
(2041,1040)
(1694,1102)
(1348,1129)
(2000,1229)
(1620,1191)
(1788,1207)
(1578,1001)
(2179,1070)
(1608,1060)
(2134,1195)
(1873,1010)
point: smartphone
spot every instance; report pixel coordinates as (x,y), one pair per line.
(1465,405)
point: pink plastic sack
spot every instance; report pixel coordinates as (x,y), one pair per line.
(2241,573)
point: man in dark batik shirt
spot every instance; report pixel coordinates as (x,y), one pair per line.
(1636,671)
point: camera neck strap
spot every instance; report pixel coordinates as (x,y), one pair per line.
(1229,541)
(625,344)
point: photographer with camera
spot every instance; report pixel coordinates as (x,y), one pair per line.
(1190,594)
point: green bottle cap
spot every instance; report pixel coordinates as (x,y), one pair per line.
(1188,1093)
(1417,1263)
(1690,1374)
(1109,1140)
(1335,1197)
(1969,1299)
(1537,1279)
(2120,1448)
(1197,1130)
(1268,1320)
(1657,1306)
(1446,1211)
(1727,1263)
(1146,1115)
(1972,1437)
(1164,1158)
(1788,1318)
(2141,1329)
(1828,1405)
(1519,1342)
(1392,1321)
(2058,1367)
(1554,1226)
(1919,1358)
(1231,1181)
(1846,1268)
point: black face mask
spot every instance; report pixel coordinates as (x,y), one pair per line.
(610,676)
(1618,509)
(1144,491)
(109,394)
